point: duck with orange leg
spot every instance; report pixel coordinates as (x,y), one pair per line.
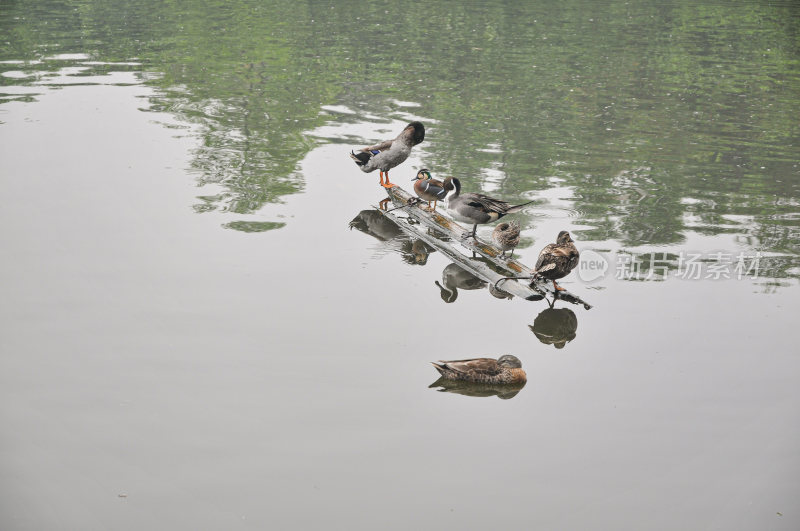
(390,153)
(556,260)
(429,189)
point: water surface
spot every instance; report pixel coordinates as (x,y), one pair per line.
(204,325)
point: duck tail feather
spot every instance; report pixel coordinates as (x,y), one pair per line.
(439,367)
(361,158)
(517,208)
(546,267)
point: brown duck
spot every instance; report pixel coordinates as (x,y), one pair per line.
(506,236)
(504,370)
(556,260)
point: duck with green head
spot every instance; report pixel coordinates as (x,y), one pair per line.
(428,188)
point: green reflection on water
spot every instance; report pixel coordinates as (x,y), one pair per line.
(253,226)
(659,118)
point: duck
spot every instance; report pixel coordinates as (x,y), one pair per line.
(476,208)
(389,153)
(506,236)
(506,369)
(428,188)
(556,260)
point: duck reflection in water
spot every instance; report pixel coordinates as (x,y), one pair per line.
(454,277)
(555,326)
(499,293)
(380,227)
(418,253)
(376,224)
(461,387)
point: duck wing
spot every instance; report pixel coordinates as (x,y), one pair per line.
(365,155)
(486,366)
(434,187)
(545,261)
(486,203)
(572,259)
(383,146)
(555,255)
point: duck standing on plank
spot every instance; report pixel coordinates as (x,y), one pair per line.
(556,260)
(428,188)
(390,153)
(504,370)
(476,208)
(506,236)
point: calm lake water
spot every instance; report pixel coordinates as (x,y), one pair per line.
(206,326)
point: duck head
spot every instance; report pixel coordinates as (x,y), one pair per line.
(512,362)
(417,132)
(564,237)
(452,183)
(422,175)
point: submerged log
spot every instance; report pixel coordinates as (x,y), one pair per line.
(486,268)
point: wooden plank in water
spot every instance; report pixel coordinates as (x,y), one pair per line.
(457,233)
(479,268)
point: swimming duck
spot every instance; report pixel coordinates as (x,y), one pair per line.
(390,153)
(505,370)
(476,208)
(428,188)
(506,236)
(556,260)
